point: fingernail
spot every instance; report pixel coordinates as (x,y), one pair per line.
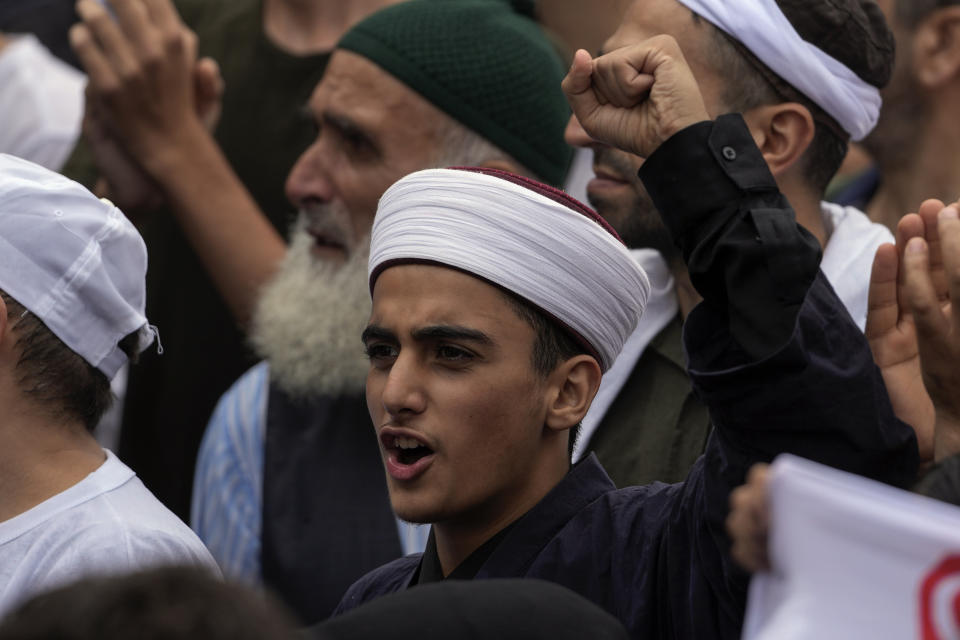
(950,213)
(916,245)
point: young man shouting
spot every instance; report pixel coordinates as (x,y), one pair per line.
(497,305)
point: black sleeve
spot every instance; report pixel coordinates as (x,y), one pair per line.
(746,254)
(772,353)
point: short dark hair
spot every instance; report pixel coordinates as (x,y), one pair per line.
(752,84)
(53,375)
(912,12)
(553,344)
(171,603)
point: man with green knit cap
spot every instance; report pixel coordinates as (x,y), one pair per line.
(289,490)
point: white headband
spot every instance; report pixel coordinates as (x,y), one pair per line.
(543,251)
(762,28)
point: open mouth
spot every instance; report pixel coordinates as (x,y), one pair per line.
(407,456)
(409,451)
(323,241)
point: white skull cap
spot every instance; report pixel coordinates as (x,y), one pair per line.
(74,261)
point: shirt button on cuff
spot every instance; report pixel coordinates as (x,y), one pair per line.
(729,153)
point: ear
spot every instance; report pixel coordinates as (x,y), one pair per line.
(572,385)
(7,340)
(783,132)
(936,48)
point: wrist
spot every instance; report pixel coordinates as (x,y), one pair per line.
(674,126)
(946,435)
(186,152)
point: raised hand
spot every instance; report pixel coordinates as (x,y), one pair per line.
(122,181)
(891,330)
(144,75)
(931,289)
(636,97)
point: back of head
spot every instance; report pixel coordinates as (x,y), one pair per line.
(159,604)
(831,56)
(495,609)
(486,63)
(72,276)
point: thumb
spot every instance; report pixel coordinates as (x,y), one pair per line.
(578,86)
(883,310)
(208,90)
(209,82)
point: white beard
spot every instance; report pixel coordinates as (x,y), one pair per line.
(308,320)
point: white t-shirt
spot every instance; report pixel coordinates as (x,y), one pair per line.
(106,523)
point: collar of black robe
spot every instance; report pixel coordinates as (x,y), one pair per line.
(587,472)
(431,571)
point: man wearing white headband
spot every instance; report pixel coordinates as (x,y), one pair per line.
(805,76)
(470,272)
(72,295)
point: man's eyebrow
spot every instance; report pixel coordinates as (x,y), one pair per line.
(348,129)
(451,332)
(373,332)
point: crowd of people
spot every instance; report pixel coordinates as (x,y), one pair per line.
(322,274)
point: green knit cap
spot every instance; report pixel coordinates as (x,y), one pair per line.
(487,66)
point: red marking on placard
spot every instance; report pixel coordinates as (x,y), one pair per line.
(947,568)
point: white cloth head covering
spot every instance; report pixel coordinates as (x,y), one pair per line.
(72,260)
(527,238)
(762,28)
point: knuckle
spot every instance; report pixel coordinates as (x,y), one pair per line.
(100,21)
(130,76)
(920,304)
(110,90)
(152,59)
(172,42)
(665,40)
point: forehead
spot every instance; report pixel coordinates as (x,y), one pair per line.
(645,19)
(419,294)
(648,18)
(355,87)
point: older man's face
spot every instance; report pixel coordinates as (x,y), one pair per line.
(373,130)
(616,192)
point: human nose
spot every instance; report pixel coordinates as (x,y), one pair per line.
(403,392)
(309,178)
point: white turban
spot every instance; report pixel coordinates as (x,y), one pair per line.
(761,27)
(530,239)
